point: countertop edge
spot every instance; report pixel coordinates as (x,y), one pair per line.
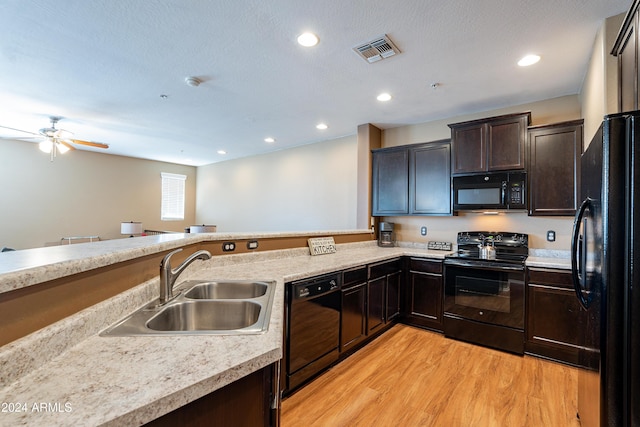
(28,267)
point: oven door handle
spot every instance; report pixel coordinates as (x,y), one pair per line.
(483,266)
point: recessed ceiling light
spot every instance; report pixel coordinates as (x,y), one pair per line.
(528,60)
(321,126)
(222,152)
(307,39)
(384,97)
(269,140)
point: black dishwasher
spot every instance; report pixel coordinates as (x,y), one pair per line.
(313,327)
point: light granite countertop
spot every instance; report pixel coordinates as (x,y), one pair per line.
(544,258)
(66,374)
(23,268)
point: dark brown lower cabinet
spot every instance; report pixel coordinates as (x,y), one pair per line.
(245,402)
(353,325)
(424,294)
(554,316)
(383,294)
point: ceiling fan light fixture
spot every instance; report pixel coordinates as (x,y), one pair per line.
(46,146)
(61,148)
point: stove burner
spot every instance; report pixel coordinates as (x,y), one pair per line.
(511,248)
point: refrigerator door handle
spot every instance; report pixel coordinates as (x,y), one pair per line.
(579,254)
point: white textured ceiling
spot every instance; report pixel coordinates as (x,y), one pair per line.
(103,64)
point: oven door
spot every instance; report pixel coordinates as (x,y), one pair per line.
(485,292)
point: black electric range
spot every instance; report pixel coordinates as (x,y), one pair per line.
(484,298)
(511,248)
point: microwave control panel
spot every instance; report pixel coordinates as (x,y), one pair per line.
(516,194)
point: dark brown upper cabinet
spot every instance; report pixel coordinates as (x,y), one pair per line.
(412,179)
(554,168)
(626,49)
(430,179)
(491,144)
(390,181)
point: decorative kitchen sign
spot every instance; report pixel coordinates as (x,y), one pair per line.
(439,246)
(322,246)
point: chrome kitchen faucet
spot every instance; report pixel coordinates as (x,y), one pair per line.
(168,276)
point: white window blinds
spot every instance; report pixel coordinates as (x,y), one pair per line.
(172,196)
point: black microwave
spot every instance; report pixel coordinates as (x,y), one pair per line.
(490,191)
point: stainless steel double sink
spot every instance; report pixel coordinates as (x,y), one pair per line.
(204,307)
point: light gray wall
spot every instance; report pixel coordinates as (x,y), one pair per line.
(312,187)
(80,193)
(599,94)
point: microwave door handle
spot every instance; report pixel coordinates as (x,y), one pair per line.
(504,193)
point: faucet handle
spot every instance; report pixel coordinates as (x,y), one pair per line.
(167,257)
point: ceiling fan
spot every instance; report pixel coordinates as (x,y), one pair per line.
(56,140)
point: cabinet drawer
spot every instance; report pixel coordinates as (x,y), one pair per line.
(425,265)
(559,278)
(354,277)
(384,268)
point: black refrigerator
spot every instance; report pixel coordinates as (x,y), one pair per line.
(605,266)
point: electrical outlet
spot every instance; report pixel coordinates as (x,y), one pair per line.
(228,247)
(551,236)
(423,231)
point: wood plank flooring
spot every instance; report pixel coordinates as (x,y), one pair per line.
(412,377)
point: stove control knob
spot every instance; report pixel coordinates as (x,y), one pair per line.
(498,238)
(523,239)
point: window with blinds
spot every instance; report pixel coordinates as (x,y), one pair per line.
(172,196)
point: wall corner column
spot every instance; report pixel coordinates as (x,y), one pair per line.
(369,138)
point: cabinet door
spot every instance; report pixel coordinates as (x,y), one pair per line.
(506,143)
(491,144)
(354,316)
(628,71)
(469,148)
(430,179)
(376,304)
(390,182)
(554,168)
(425,299)
(554,316)
(393,296)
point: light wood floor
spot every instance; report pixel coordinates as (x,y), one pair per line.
(411,377)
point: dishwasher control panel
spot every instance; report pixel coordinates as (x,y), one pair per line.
(317,286)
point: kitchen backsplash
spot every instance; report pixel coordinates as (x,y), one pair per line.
(407,228)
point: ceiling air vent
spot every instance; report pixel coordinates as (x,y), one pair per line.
(377,49)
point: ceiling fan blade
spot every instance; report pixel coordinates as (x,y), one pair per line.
(66,144)
(22,138)
(89,143)
(19,130)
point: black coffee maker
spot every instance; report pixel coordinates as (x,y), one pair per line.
(386,236)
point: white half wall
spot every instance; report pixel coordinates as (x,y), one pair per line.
(312,187)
